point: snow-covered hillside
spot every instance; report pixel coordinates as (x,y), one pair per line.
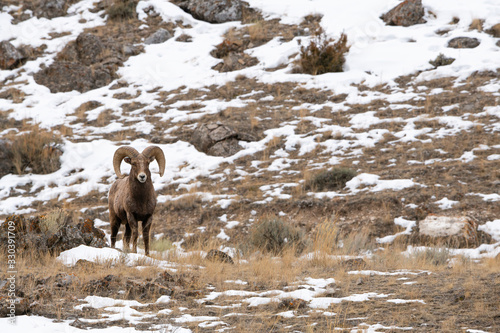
(422,139)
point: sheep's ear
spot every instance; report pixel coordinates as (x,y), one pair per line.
(151,159)
(127,160)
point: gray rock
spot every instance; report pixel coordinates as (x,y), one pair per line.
(21,306)
(456,231)
(463,43)
(89,48)
(160,36)
(214,11)
(206,135)
(65,76)
(130,50)
(218,139)
(31,236)
(50,8)
(10,57)
(225,148)
(407,13)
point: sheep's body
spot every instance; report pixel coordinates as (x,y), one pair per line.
(132,199)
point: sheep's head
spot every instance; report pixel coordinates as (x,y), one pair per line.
(139,161)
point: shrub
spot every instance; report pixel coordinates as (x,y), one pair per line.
(441,60)
(36,151)
(433,256)
(52,222)
(333,179)
(323,55)
(161,245)
(275,236)
(122,10)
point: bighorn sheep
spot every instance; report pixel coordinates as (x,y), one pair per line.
(132,198)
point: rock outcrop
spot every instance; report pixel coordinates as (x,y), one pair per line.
(85,64)
(160,36)
(213,11)
(217,139)
(463,43)
(54,234)
(10,57)
(407,13)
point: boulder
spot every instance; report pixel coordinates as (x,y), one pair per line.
(206,136)
(63,235)
(10,57)
(21,306)
(407,13)
(463,43)
(89,48)
(455,231)
(49,8)
(160,36)
(63,76)
(214,11)
(87,63)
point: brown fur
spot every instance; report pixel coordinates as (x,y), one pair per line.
(131,201)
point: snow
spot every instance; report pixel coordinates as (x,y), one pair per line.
(404,301)
(86,162)
(446,203)
(46,325)
(103,255)
(492,228)
(403,223)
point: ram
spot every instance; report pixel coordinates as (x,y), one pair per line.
(132,198)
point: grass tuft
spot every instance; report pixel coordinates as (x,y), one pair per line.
(275,236)
(161,245)
(433,256)
(441,60)
(52,222)
(36,151)
(122,10)
(323,55)
(333,179)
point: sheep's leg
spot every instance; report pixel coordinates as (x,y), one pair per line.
(115,226)
(146,226)
(126,238)
(132,222)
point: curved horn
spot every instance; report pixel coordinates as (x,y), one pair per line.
(120,154)
(158,155)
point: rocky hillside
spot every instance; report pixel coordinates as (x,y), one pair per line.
(375,119)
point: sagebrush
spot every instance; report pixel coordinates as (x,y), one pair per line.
(36,151)
(275,236)
(122,10)
(323,55)
(330,180)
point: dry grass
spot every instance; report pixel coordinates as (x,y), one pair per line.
(476,24)
(323,55)
(122,10)
(35,150)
